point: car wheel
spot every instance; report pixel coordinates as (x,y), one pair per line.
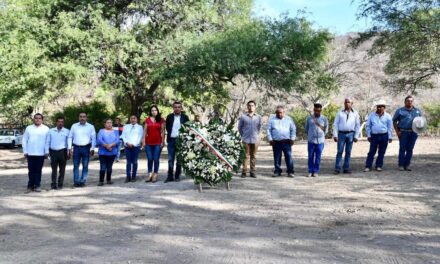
(12,144)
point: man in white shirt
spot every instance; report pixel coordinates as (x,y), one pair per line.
(132,137)
(346,130)
(173,123)
(56,145)
(82,138)
(34,145)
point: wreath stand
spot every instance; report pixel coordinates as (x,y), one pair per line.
(200,187)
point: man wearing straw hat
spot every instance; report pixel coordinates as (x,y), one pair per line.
(408,123)
(379,132)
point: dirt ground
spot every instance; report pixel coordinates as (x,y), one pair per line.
(387,217)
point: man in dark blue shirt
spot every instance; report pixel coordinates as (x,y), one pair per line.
(402,120)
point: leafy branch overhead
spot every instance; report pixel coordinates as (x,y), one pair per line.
(409,32)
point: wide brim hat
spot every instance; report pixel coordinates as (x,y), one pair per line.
(381,102)
(419,124)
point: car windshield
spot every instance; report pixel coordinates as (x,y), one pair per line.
(6,133)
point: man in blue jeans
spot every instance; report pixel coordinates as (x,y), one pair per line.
(379,129)
(132,137)
(402,120)
(281,133)
(82,138)
(346,128)
(173,123)
(316,129)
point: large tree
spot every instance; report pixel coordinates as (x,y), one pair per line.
(409,32)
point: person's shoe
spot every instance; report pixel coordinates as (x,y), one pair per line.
(177,180)
(290,175)
(315,175)
(276,174)
(310,175)
(83,184)
(379,169)
(336,172)
(109,182)
(117,160)
(53,187)
(168,180)
(401,168)
(367,170)
(154,178)
(60,187)
(28,190)
(133,179)
(347,171)
(101,184)
(37,189)
(408,169)
(127,180)
(252,175)
(76,185)
(149,177)
(243,175)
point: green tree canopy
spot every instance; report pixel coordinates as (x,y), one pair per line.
(409,32)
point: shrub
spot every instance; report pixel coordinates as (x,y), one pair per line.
(432,113)
(96,111)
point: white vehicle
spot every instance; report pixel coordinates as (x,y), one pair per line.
(10,137)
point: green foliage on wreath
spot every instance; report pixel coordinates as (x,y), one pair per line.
(199,162)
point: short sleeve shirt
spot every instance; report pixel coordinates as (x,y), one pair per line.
(404,117)
(154,129)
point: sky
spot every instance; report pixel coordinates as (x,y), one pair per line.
(338,16)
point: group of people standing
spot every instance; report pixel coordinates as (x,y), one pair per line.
(281,133)
(60,144)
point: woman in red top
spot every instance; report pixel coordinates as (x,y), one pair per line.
(154,141)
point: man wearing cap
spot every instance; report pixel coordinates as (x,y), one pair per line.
(346,128)
(379,132)
(403,124)
(316,129)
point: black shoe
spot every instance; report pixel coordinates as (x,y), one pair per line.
(83,184)
(243,175)
(336,172)
(133,180)
(60,187)
(127,180)
(408,169)
(276,174)
(109,182)
(28,190)
(177,180)
(76,185)
(252,175)
(53,187)
(101,184)
(290,174)
(169,180)
(37,189)
(347,171)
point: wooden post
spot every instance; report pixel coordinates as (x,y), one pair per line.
(227,186)
(200,187)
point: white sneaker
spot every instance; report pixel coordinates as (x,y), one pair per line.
(315,175)
(367,170)
(310,175)
(379,169)
(401,168)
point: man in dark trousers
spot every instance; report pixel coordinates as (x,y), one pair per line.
(173,123)
(56,146)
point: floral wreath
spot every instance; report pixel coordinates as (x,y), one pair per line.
(209,153)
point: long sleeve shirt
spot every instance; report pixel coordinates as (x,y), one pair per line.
(281,129)
(404,117)
(82,135)
(133,134)
(315,134)
(379,124)
(249,128)
(57,139)
(34,140)
(347,121)
(107,137)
